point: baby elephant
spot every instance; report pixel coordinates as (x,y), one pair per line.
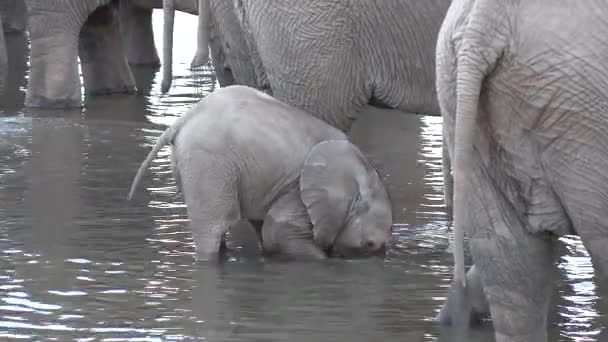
(241,154)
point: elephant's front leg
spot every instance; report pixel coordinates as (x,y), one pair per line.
(53,79)
(516,266)
(138,37)
(287,232)
(104,64)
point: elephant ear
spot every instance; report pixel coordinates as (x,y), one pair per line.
(329,185)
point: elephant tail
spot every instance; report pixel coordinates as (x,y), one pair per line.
(469,80)
(478,56)
(165,139)
(478,47)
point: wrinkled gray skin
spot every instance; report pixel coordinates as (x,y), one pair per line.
(329,58)
(333,57)
(62,30)
(13,15)
(241,154)
(521,85)
(234,58)
(220,30)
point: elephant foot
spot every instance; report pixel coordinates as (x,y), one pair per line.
(36,101)
(296,253)
(110,89)
(540,336)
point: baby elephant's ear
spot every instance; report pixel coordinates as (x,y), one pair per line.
(329,185)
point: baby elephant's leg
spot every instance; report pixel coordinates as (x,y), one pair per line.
(212,203)
(287,231)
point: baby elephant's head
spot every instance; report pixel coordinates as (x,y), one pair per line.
(347,203)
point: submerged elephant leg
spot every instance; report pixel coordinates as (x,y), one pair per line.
(478,302)
(582,184)
(516,266)
(211,197)
(287,232)
(138,37)
(104,65)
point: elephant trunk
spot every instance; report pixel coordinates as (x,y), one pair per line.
(169,16)
(202,37)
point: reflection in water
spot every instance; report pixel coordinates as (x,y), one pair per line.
(79,261)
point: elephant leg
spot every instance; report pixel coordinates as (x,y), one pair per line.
(211,198)
(53,81)
(287,231)
(104,65)
(137,33)
(516,266)
(478,301)
(257,227)
(582,189)
(222,70)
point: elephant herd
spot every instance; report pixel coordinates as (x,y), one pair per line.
(522,87)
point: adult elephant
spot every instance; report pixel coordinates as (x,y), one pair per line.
(331,58)
(522,89)
(60,32)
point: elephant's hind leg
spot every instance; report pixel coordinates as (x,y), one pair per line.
(516,266)
(212,203)
(583,187)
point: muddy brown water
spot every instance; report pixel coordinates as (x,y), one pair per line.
(79,262)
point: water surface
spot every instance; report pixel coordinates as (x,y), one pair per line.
(77,261)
